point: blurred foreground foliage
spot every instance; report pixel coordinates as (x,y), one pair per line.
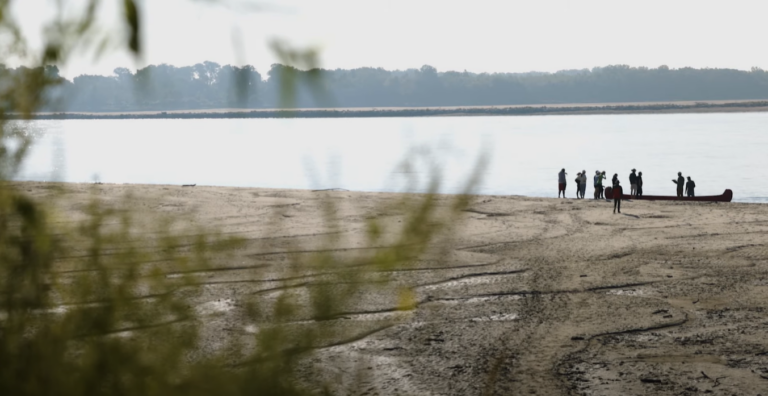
(97,301)
(102,304)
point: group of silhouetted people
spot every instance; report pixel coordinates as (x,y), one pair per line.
(597,183)
(581,184)
(635,182)
(689,186)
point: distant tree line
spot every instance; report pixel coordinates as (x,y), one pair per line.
(209,85)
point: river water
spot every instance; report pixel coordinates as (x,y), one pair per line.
(521,155)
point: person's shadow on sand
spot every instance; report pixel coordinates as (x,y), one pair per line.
(631,215)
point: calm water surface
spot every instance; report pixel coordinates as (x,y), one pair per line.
(523,154)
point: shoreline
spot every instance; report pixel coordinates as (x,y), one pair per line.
(456,111)
(344,190)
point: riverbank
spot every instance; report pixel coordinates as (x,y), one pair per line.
(512,110)
(532,296)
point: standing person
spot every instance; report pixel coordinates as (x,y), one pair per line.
(633,183)
(597,181)
(583,183)
(640,184)
(617,191)
(680,183)
(689,187)
(578,188)
(615,180)
(602,189)
(561,183)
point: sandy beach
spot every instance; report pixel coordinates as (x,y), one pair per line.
(526,296)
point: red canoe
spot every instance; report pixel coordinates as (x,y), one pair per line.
(725,197)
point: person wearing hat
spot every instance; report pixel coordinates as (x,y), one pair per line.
(680,184)
(561,183)
(633,183)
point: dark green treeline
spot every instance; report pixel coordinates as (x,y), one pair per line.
(209,85)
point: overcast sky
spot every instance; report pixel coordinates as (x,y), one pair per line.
(477,35)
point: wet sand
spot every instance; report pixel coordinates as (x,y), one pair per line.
(530,295)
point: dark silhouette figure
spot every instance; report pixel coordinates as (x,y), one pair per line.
(561,183)
(633,183)
(680,184)
(689,187)
(639,184)
(617,191)
(602,189)
(615,180)
(578,188)
(598,184)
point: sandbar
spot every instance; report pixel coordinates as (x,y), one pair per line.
(530,295)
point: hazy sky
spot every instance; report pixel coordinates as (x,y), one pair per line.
(477,35)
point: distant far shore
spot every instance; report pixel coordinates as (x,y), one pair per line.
(371,112)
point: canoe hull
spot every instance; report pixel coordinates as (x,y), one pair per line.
(727,196)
